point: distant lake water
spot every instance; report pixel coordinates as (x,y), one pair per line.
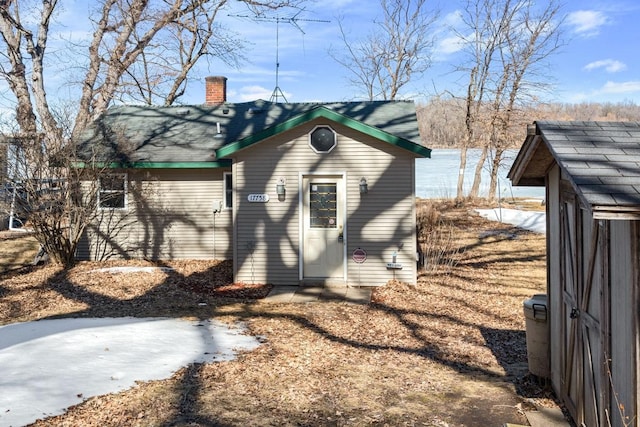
(437,177)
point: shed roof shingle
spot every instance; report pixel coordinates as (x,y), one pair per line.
(602,160)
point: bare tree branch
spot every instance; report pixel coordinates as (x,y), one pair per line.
(395,53)
(139,49)
(510,39)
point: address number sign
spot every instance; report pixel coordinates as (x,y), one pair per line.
(258,198)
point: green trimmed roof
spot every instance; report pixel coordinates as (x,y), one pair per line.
(144,136)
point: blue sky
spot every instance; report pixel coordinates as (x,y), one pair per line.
(599,62)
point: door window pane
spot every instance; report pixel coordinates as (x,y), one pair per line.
(323,205)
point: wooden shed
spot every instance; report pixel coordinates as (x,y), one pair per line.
(591,171)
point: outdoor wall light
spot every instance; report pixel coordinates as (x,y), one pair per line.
(281,191)
(364,187)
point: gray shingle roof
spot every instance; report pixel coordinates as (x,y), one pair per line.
(190,133)
(602,159)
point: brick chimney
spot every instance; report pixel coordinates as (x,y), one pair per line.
(215,90)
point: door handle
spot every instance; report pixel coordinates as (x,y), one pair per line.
(574,313)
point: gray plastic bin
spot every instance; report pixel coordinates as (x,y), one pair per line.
(536,316)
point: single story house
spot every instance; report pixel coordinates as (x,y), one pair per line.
(591,171)
(293,193)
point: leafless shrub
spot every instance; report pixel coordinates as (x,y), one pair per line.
(437,250)
(427,217)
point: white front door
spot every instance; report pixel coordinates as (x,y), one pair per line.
(323,216)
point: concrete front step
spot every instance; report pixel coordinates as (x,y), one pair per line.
(304,294)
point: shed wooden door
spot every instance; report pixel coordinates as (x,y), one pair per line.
(323,251)
(584,386)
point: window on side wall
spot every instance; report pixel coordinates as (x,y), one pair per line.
(112,191)
(228,191)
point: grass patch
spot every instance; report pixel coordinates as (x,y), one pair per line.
(16,250)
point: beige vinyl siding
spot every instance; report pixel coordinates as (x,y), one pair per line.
(169,215)
(381,222)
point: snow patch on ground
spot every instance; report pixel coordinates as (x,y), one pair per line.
(529,220)
(50,365)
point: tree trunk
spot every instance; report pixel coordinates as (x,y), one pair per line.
(477,176)
(16,76)
(495,168)
(37,50)
(463,165)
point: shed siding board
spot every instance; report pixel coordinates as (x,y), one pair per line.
(635,302)
(598,190)
(593,356)
(624,317)
(169,215)
(553,279)
(379,222)
(594,298)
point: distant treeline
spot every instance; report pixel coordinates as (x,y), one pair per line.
(442,121)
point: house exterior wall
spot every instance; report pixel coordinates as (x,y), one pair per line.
(268,237)
(169,215)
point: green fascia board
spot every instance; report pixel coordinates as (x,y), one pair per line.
(224,163)
(322,112)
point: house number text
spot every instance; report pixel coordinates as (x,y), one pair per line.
(258,198)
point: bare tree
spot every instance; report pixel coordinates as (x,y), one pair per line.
(130,33)
(510,40)
(441,119)
(139,50)
(533,36)
(396,52)
(162,69)
(481,46)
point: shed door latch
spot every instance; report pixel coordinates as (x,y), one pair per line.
(574,313)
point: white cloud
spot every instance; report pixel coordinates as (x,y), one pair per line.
(620,87)
(336,4)
(251,93)
(448,41)
(610,65)
(453,19)
(587,22)
(609,92)
(254,92)
(449,45)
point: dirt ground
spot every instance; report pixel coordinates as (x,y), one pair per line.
(16,249)
(450,351)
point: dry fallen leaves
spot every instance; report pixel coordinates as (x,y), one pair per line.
(449,351)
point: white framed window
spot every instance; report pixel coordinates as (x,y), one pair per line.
(112,191)
(323,139)
(228,190)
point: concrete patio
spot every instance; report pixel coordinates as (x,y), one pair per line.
(305,294)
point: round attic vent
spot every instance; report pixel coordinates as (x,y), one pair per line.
(322,139)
